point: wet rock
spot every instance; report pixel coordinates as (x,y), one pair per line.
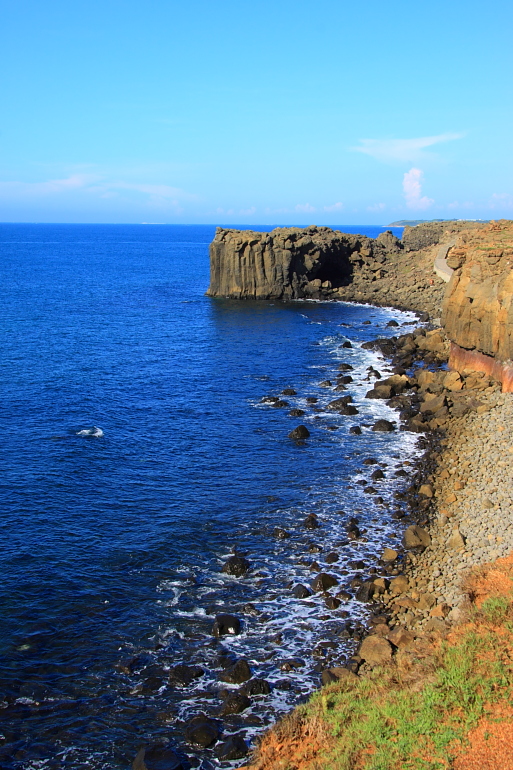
(225,624)
(344,379)
(366,591)
(370,461)
(270,399)
(289,392)
(236,565)
(234,703)
(250,609)
(355,430)
(311,522)
(314,548)
(392,323)
(383,426)
(326,384)
(332,603)
(380,391)
(370,490)
(389,555)
(315,567)
(280,534)
(202,731)
(238,673)
(311,400)
(375,650)
(377,475)
(283,684)
(332,558)
(301,592)
(416,537)
(256,687)
(292,664)
(159,758)
(184,675)
(232,748)
(323,582)
(296,412)
(300,432)
(345,368)
(280,404)
(346,344)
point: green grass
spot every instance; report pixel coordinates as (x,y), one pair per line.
(416,728)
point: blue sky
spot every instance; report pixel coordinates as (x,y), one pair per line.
(303,111)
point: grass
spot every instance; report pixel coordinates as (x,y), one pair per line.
(387,721)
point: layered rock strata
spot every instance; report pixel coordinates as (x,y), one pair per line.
(477,310)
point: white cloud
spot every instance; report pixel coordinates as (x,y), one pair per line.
(413,190)
(458,205)
(304,208)
(335,207)
(501,201)
(377,207)
(156,194)
(248,212)
(404,150)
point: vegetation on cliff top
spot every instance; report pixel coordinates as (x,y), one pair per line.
(441,703)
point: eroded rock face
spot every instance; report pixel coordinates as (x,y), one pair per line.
(290,262)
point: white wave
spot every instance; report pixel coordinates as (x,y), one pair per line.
(95,432)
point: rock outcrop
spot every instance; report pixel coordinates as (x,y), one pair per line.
(291,262)
(478,307)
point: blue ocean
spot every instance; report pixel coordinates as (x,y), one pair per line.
(138,455)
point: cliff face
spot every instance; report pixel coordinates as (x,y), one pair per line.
(478,307)
(290,263)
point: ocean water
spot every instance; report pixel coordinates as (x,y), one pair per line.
(137,456)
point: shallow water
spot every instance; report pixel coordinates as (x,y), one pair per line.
(112,545)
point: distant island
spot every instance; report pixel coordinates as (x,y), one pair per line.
(413,222)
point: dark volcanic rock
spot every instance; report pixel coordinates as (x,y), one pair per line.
(280,534)
(184,675)
(232,748)
(256,687)
(301,592)
(236,565)
(289,392)
(159,758)
(300,432)
(226,624)
(323,581)
(383,426)
(355,430)
(296,412)
(202,731)
(238,673)
(234,703)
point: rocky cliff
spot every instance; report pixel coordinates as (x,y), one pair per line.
(291,262)
(478,306)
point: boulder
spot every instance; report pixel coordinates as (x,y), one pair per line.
(383,426)
(300,432)
(456,541)
(416,537)
(337,674)
(311,522)
(226,625)
(232,748)
(256,687)
(159,758)
(234,703)
(296,412)
(183,675)
(202,731)
(400,637)
(323,582)
(289,392)
(236,565)
(355,430)
(301,592)
(389,555)
(280,533)
(399,585)
(375,651)
(236,674)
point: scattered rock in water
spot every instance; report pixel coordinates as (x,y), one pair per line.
(159,758)
(202,731)
(311,400)
(236,565)
(344,379)
(389,555)
(331,602)
(256,687)
(323,582)
(225,624)
(314,548)
(296,412)
(234,703)
(289,392)
(370,461)
(269,399)
(383,426)
(232,748)
(332,558)
(392,323)
(300,432)
(311,521)
(236,674)
(326,384)
(280,404)
(355,430)
(291,664)
(301,592)
(280,533)
(183,675)
(345,368)
(377,475)
(346,344)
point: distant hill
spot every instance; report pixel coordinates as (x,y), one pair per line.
(413,222)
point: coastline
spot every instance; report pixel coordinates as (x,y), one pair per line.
(464,520)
